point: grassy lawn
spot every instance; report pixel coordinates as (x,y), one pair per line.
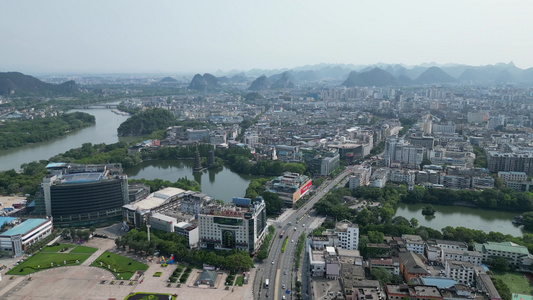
(56,248)
(240,280)
(124,266)
(83,249)
(43,261)
(516,282)
(154,296)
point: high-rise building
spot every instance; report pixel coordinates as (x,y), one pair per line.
(83,195)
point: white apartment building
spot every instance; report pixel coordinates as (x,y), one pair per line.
(402,176)
(472,257)
(512,176)
(460,271)
(348,235)
(360,177)
(413,243)
(379,178)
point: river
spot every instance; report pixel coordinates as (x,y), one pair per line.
(226,186)
(105,131)
(460,216)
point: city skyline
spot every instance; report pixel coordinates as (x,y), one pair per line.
(204,36)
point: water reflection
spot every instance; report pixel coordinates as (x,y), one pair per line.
(221,183)
(462,216)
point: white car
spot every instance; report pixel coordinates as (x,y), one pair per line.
(272,262)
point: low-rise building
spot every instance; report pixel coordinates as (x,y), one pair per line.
(473,257)
(509,250)
(411,266)
(414,243)
(412,292)
(16,239)
(390,264)
(290,187)
(461,271)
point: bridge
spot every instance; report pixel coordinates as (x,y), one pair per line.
(94,106)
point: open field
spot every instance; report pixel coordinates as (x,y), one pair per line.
(516,282)
(120,266)
(42,261)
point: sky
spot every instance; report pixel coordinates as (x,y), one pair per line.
(197,36)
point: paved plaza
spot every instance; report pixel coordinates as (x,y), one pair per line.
(85,282)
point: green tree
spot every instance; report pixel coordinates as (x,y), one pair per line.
(382,275)
(375,237)
(500,264)
(414,222)
(428,210)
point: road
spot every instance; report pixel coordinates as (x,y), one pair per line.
(279,267)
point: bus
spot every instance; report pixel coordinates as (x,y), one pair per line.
(282,233)
(266,283)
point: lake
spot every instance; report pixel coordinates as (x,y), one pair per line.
(221,184)
(460,216)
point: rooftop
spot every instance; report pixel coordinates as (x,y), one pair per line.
(24,227)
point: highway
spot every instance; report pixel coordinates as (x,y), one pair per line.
(279,267)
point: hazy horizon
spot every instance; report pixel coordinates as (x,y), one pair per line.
(179,37)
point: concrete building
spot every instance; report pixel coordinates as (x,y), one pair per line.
(413,243)
(379,178)
(461,271)
(193,202)
(83,195)
(15,240)
(473,257)
(402,176)
(390,264)
(448,128)
(189,231)
(137,213)
(510,161)
(240,225)
(348,235)
(411,266)
(477,117)
(290,187)
(329,164)
(201,135)
(509,250)
(412,292)
(512,176)
(360,177)
(455,182)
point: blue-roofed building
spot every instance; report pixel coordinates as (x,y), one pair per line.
(16,239)
(440,282)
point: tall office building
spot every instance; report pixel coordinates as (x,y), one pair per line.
(83,195)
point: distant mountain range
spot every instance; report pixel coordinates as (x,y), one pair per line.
(387,75)
(21,84)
